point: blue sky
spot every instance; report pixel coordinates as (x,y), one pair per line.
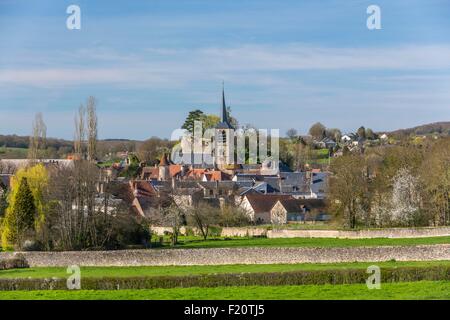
(285,64)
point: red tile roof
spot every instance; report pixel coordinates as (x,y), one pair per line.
(164,161)
(149,173)
(217,175)
(174,170)
(196,173)
(142,188)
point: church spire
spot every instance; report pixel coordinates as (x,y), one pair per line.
(224,121)
(224,107)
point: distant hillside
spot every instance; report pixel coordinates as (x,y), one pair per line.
(14,146)
(15,141)
(431,128)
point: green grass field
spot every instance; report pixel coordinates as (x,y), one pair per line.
(196,242)
(99,272)
(191,242)
(13,153)
(402,290)
(319,156)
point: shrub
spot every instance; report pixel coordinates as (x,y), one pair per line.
(301,277)
(31,245)
(18,261)
(215,231)
(189,232)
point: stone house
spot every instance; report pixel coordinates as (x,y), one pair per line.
(259,206)
(280,209)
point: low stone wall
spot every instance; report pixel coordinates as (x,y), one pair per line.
(160,231)
(343,234)
(361,234)
(243,232)
(220,256)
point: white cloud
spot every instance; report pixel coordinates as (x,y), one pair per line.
(168,67)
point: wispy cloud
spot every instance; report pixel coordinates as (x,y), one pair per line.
(159,66)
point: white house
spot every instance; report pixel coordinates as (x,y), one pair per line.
(346,138)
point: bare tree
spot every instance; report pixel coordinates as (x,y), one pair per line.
(203,216)
(435,175)
(91,111)
(81,216)
(317,130)
(79,132)
(233,216)
(348,188)
(38,137)
(174,217)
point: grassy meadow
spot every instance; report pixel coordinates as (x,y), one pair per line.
(402,290)
(220,242)
(149,271)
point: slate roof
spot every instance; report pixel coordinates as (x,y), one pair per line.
(291,205)
(288,182)
(310,204)
(248,177)
(242,191)
(219,185)
(319,182)
(284,167)
(262,203)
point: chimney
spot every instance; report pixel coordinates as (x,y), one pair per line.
(173,183)
(184,169)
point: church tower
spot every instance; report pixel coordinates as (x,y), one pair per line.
(164,170)
(224,138)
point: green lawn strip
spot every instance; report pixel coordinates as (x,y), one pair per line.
(13,153)
(100,272)
(404,290)
(190,242)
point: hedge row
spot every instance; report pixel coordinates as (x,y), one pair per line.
(13,263)
(317,277)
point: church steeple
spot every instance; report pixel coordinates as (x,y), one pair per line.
(223,142)
(225,123)
(224,107)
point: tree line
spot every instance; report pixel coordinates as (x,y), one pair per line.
(59,207)
(403,185)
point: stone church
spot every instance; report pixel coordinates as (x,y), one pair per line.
(224,139)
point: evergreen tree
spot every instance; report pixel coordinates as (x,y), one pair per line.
(3,201)
(370,134)
(196,115)
(20,216)
(361,132)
